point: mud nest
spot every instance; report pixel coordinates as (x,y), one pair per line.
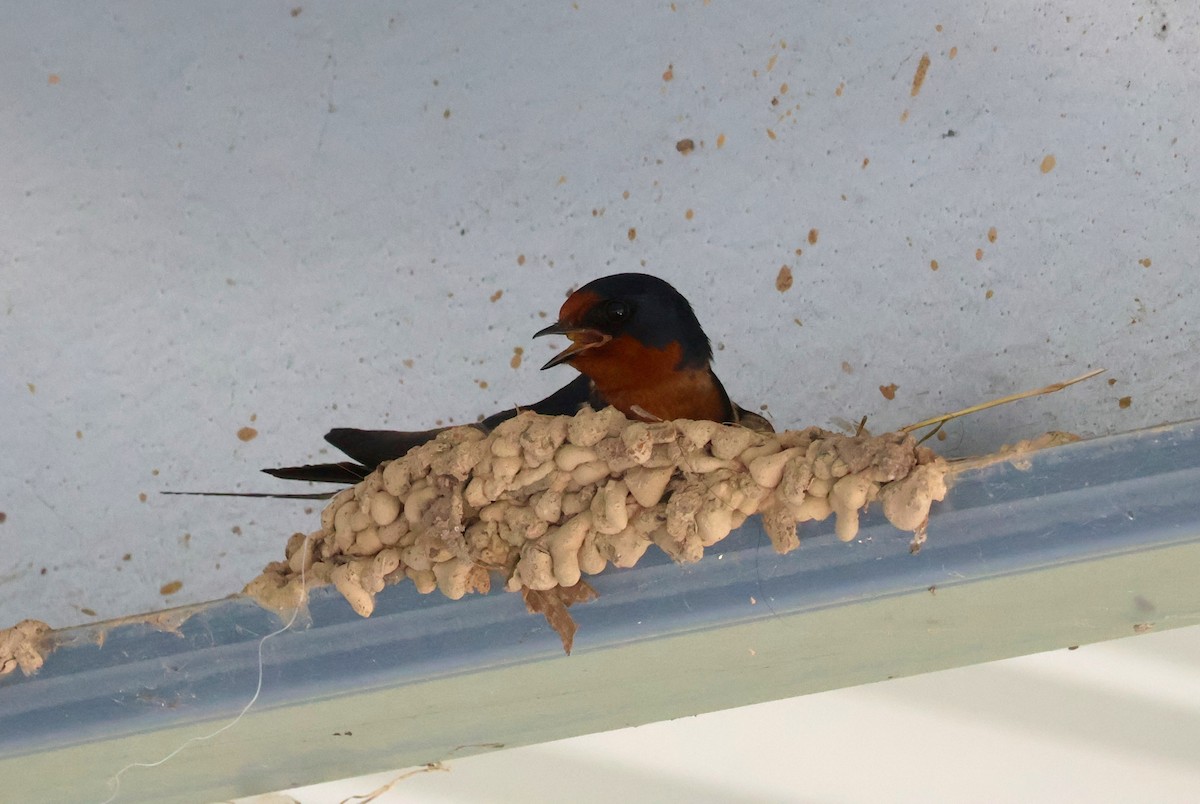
(542,501)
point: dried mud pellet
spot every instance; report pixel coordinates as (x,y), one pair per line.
(626,548)
(461,460)
(348,581)
(535,568)
(476,494)
(748,495)
(697,433)
(609,514)
(586,428)
(542,438)
(847,497)
(394,532)
(416,503)
(590,473)
(647,485)
(780,525)
(820,486)
(767,470)
(575,501)
(494,512)
(396,479)
(547,505)
(664,455)
(525,522)
(332,507)
(590,560)
(728,442)
(797,475)
(531,475)
(384,508)
(570,456)
(506,447)
(906,502)
(812,509)
(637,442)
(385,563)
(714,520)
(366,542)
(506,468)
(684,551)
(682,509)
(564,543)
(424,580)
(702,464)
(301,558)
(452,577)
(758,450)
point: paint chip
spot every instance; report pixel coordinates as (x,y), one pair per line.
(247,434)
(689,214)
(685,146)
(518,352)
(632,233)
(1048,163)
(978,254)
(142,497)
(1124,402)
(1144,262)
(783,280)
(992,235)
(770,133)
(720,140)
(669,73)
(888,391)
(919,77)
(520,259)
(933,264)
(813,234)
(495,297)
(989,294)
(170,588)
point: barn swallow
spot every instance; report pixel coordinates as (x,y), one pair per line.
(638,347)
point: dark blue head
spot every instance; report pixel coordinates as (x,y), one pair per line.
(637,306)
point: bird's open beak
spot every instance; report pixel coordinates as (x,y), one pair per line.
(582,339)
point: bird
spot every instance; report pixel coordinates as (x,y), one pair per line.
(637,345)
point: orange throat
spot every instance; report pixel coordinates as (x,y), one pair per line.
(647,384)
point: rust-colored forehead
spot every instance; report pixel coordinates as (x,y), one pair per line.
(577,305)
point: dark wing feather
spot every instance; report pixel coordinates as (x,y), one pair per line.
(372,447)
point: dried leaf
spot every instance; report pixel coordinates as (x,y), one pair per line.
(552,604)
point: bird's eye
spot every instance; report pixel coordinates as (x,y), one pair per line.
(616,311)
